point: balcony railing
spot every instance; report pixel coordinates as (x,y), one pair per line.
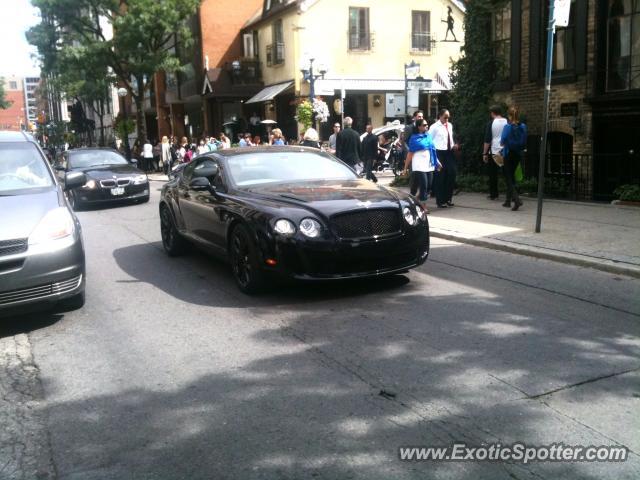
(360,40)
(275,54)
(244,72)
(423,42)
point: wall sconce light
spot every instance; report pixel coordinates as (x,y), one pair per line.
(576,124)
(377,100)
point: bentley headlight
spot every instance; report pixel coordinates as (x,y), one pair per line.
(140,179)
(422,214)
(285,227)
(90,185)
(310,227)
(408,216)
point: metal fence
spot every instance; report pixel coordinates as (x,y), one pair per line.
(585,177)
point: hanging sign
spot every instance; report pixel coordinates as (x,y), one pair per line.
(561,12)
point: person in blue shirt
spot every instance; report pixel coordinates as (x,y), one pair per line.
(513,142)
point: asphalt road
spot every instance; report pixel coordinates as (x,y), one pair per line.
(169,372)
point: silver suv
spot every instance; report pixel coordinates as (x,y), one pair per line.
(41,251)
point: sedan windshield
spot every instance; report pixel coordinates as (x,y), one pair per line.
(22,169)
(284,167)
(95,158)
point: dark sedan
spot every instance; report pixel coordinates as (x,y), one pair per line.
(110,177)
(291,211)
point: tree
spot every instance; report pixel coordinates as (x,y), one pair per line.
(472,79)
(144,41)
(4,103)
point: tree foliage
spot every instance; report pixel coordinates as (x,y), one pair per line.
(472,78)
(4,103)
(88,44)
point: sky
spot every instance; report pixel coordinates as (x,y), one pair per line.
(16,17)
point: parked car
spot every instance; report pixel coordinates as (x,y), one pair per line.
(41,250)
(291,211)
(110,177)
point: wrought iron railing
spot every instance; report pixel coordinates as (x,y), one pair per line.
(585,177)
(244,72)
(275,54)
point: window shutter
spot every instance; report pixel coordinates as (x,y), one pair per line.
(535,35)
(581,36)
(516,35)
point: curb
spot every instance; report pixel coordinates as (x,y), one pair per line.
(608,266)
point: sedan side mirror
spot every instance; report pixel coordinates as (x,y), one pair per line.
(201,184)
(74,180)
(59,167)
(207,172)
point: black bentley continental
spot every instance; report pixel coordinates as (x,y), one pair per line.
(110,177)
(291,211)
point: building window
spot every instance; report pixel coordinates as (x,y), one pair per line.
(421,31)
(275,51)
(623,45)
(13,85)
(359,36)
(501,37)
(564,43)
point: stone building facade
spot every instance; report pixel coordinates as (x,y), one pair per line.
(595,89)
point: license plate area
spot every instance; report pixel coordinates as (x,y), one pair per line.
(117,191)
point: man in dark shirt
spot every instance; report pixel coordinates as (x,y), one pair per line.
(348,146)
(370,152)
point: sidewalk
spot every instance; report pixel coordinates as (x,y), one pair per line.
(601,236)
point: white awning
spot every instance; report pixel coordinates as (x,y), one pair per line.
(329,86)
(269,93)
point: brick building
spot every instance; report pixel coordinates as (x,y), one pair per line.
(14,118)
(595,94)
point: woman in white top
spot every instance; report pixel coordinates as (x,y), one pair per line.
(166,154)
(147,155)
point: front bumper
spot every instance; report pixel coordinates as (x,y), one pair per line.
(324,260)
(103,195)
(38,276)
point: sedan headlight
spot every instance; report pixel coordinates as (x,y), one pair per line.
(310,227)
(408,216)
(140,179)
(422,214)
(55,225)
(285,227)
(91,184)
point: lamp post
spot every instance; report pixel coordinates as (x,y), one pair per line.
(122,93)
(309,76)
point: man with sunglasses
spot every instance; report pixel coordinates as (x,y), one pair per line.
(333,137)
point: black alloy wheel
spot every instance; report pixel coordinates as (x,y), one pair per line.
(174,244)
(244,261)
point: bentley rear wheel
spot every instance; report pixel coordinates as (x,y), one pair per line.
(174,244)
(244,261)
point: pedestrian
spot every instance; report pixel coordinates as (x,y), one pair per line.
(157,151)
(136,154)
(183,149)
(370,147)
(202,147)
(257,141)
(278,138)
(224,141)
(513,141)
(423,159)
(332,138)
(491,148)
(409,130)
(348,146)
(165,155)
(311,139)
(147,154)
(444,179)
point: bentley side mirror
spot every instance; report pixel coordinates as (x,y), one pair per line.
(201,184)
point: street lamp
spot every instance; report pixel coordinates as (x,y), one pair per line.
(122,93)
(309,76)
